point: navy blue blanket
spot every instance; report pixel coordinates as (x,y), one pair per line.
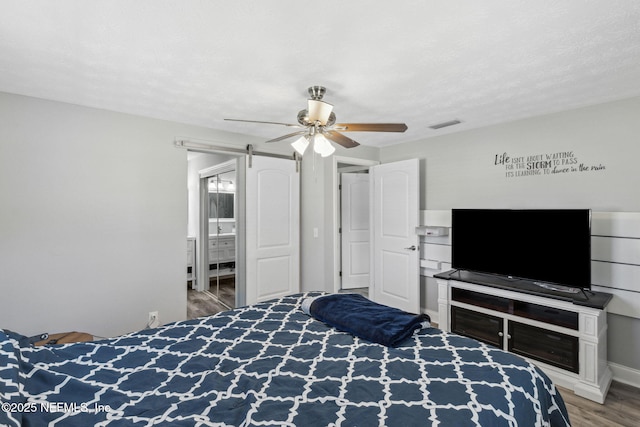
(366,319)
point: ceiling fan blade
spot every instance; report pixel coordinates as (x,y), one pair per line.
(370,127)
(290,135)
(339,138)
(269,123)
(319,111)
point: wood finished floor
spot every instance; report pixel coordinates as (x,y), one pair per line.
(621,408)
(201,304)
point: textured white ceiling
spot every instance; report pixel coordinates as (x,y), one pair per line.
(418,62)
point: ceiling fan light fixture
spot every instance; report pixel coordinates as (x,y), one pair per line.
(319,111)
(322,146)
(300,145)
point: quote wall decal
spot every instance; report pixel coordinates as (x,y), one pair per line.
(557,163)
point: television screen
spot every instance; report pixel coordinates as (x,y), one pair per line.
(542,245)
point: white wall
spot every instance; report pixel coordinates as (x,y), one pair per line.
(460,171)
(94,217)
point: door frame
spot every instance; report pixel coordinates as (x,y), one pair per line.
(335,188)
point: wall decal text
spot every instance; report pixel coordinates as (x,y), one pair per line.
(561,162)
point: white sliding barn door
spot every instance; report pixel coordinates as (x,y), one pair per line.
(355,247)
(395,216)
(272,229)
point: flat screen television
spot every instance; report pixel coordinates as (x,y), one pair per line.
(545,246)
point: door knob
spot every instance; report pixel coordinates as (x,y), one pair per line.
(412,248)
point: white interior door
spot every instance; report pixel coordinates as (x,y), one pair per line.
(355,248)
(272,229)
(395,216)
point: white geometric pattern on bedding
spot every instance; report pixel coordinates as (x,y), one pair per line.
(270,364)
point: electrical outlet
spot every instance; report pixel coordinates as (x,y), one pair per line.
(154,319)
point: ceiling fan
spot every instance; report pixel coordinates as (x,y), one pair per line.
(318,124)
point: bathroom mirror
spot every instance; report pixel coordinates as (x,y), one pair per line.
(221,205)
(222,189)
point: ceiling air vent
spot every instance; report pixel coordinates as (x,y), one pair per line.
(445,124)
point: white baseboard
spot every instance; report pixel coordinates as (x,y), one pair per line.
(625,374)
(433,315)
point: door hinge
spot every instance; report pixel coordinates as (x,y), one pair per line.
(340,273)
(298,159)
(250,153)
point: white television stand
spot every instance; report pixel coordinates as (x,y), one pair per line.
(565,338)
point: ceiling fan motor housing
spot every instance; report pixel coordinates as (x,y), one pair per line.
(303,118)
(317,92)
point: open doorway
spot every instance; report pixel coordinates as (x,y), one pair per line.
(394,216)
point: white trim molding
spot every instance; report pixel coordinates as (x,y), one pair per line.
(625,375)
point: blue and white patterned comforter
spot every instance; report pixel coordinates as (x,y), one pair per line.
(270,364)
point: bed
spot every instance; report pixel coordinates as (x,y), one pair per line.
(271,364)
